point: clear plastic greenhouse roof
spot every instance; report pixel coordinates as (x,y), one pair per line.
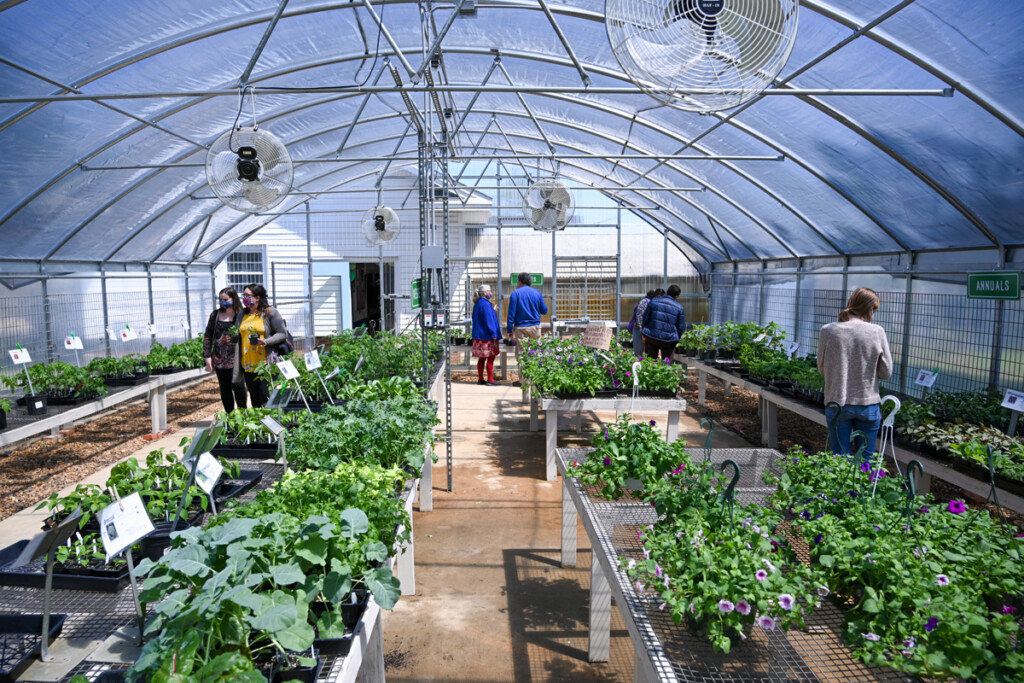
(108,108)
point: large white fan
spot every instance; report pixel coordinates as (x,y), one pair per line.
(249,169)
(381,225)
(730,49)
(548,205)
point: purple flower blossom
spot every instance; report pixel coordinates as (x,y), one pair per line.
(606,437)
(653,423)
(932,623)
(956,506)
(647,554)
(823,591)
(864,467)
(724,606)
(817,539)
(923,510)
(786,601)
(852,493)
(607,461)
(662,607)
(629,374)
(874,637)
(942,580)
(1007,609)
(639,535)
(639,587)
(877,528)
(766,622)
(761,575)
(743,607)
(909,642)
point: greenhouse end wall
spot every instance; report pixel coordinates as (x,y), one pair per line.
(930,322)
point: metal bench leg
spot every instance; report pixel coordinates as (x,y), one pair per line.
(568,527)
(600,612)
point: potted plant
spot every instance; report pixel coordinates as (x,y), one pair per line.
(233,334)
(5,407)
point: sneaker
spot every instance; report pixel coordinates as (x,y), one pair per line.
(491,383)
(480,381)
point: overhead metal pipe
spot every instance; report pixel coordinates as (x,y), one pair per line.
(391,41)
(565,42)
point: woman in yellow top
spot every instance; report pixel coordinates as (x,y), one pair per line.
(260,327)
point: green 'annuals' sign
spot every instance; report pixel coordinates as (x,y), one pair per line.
(415,294)
(536,279)
(1004,285)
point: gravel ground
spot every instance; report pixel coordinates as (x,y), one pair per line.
(30,473)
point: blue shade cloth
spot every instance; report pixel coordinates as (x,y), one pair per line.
(861,175)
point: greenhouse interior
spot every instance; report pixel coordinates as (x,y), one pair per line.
(511,340)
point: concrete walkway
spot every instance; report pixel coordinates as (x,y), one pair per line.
(493,602)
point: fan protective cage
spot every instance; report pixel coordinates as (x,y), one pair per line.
(276,171)
(548,205)
(731,50)
(392,226)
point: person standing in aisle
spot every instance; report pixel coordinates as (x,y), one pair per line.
(220,347)
(634,322)
(486,334)
(525,307)
(261,327)
(853,355)
(662,323)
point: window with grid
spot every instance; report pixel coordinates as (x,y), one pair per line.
(245,267)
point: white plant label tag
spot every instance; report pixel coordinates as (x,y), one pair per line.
(1014,400)
(288,369)
(151,328)
(20,356)
(121,529)
(71,343)
(926,378)
(759,337)
(792,347)
(128,334)
(208,472)
(111,334)
(185,325)
(312,359)
(273,425)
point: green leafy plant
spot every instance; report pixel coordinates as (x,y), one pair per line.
(123,367)
(58,380)
(381,389)
(556,366)
(5,405)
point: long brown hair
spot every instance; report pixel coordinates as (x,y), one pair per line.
(261,292)
(236,303)
(863,303)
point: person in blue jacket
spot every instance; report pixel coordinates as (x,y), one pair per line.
(525,307)
(486,334)
(663,321)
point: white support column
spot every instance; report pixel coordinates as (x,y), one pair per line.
(727,388)
(702,385)
(427,486)
(600,612)
(405,563)
(158,407)
(672,432)
(551,428)
(568,526)
(534,417)
(372,669)
(769,424)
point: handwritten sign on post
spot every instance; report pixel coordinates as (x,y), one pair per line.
(597,337)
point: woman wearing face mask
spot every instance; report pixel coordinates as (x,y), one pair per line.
(486,334)
(220,347)
(261,328)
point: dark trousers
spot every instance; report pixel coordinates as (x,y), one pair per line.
(230,394)
(653,346)
(259,392)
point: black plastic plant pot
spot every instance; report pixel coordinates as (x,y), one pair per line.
(156,545)
(300,674)
(35,404)
(253,338)
(657,393)
(21,641)
(3,419)
(110,677)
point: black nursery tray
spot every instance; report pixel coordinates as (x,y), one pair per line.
(245,451)
(33,575)
(232,487)
(69,400)
(572,395)
(21,640)
(351,613)
(126,381)
(166,371)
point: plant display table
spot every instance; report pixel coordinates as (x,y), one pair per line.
(467,349)
(154,390)
(770,402)
(664,651)
(619,404)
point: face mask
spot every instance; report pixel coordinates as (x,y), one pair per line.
(225,304)
(487,295)
(247,301)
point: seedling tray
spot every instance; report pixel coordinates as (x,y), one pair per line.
(21,640)
(233,487)
(166,371)
(69,400)
(33,575)
(126,381)
(246,451)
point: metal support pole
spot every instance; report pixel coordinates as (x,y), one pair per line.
(664,265)
(188,303)
(907,310)
(47,317)
(760,308)
(796,312)
(149,293)
(106,308)
(618,266)
(311,339)
(554,284)
(997,336)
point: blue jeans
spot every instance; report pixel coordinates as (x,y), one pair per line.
(867,419)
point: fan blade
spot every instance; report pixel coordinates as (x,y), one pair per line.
(267,152)
(259,194)
(222,167)
(534,199)
(560,195)
(757,30)
(547,221)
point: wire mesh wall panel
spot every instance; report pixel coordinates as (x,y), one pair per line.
(132,308)
(83,315)
(25,324)
(586,287)
(1011,346)
(466,276)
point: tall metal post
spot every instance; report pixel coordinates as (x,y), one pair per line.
(796,313)
(618,266)
(149,293)
(188,303)
(907,311)
(106,308)
(760,304)
(311,339)
(997,336)
(664,264)
(554,284)
(502,309)
(47,315)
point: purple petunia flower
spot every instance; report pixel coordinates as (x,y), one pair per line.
(607,461)
(606,437)
(786,601)
(924,509)
(817,539)
(909,642)
(639,535)
(662,607)
(942,580)
(761,575)
(864,467)
(932,623)
(823,591)
(743,607)
(639,587)
(956,506)
(766,622)
(653,423)
(871,636)
(725,606)
(1007,609)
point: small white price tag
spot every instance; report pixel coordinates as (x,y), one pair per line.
(926,378)
(119,528)
(273,425)
(1014,400)
(759,337)
(111,334)
(312,359)
(128,334)
(151,328)
(185,325)
(20,356)
(208,472)
(288,369)
(71,343)
(792,347)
